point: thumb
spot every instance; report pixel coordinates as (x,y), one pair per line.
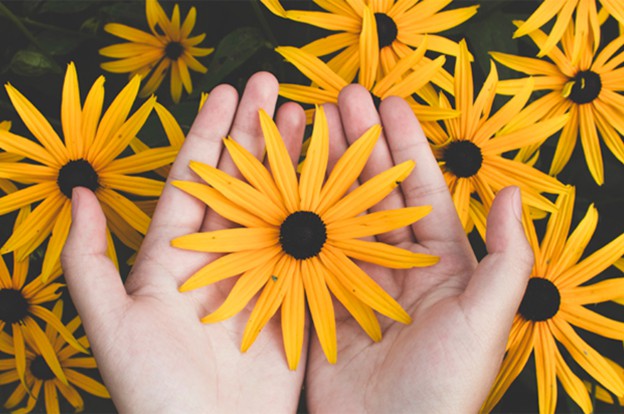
(92,279)
(497,286)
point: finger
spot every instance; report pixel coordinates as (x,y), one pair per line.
(178,213)
(291,123)
(497,286)
(92,279)
(358,114)
(425,185)
(337,139)
(260,93)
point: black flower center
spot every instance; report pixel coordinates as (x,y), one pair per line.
(77,173)
(302,235)
(386,29)
(541,300)
(174,50)
(463,158)
(40,369)
(586,87)
(13,306)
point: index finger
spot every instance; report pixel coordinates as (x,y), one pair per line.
(426,184)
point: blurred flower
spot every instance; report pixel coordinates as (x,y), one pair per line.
(555,299)
(40,375)
(86,158)
(374,35)
(469,148)
(587,90)
(407,77)
(167,48)
(298,243)
(586,24)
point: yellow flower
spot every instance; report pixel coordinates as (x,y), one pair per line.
(87,158)
(590,91)
(554,301)
(298,236)
(408,76)
(41,377)
(586,24)
(469,148)
(167,48)
(374,35)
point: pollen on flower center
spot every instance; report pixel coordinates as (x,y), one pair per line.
(13,306)
(77,173)
(40,369)
(302,235)
(541,300)
(386,29)
(586,87)
(174,50)
(463,158)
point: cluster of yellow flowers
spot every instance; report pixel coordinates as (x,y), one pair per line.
(574,87)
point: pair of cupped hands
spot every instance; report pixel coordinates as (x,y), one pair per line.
(155,355)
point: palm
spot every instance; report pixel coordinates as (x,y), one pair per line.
(146,335)
(444,361)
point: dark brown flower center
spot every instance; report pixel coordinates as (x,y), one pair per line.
(77,173)
(586,87)
(541,300)
(463,158)
(174,50)
(13,306)
(40,369)
(303,234)
(386,29)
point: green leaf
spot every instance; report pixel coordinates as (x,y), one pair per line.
(31,63)
(58,43)
(233,50)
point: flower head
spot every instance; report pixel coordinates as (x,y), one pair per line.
(590,90)
(469,148)
(87,158)
(556,297)
(168,48)
(298,236)
(374,35)
(42,377)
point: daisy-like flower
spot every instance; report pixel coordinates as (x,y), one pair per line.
(590,91)
(586,23)
(20,304)
(298,238)
(43,378)
(86,158)
(168,48)
(469,148)
(374,35)
(558,290)
(407,77)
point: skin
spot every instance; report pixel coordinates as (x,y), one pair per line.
(156,356)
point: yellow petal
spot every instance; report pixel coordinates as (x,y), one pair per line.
(57,241)
(45,348)
(229,265)
(125,208)
(132,34)
(383,254)
(313,68)
(545,369)
(369,49)
(71,113)
(361,285)
(348,168)
(376,223)
(307,94)
(325,20)
(91,111)
(572,385)
(321,307)
(293,317)
(144,161)
(87,384)
(315,163)
(280,162)
(221,205)
(368,194)
(593,322)
(229,240)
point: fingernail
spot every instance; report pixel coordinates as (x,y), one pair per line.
(75,200)
(517,203)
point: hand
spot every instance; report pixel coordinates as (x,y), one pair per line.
(448,358)
(153,352)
